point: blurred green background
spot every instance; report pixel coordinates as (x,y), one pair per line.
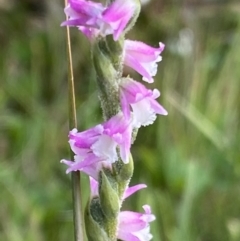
(190,159)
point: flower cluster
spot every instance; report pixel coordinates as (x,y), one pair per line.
(97,146)
(101,146)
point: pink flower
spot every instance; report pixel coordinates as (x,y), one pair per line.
(132,226)
(83,13)
(117,16)
(96,147)
(142,58)
(94,19)
(142,102)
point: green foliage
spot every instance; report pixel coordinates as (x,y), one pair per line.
(190,159)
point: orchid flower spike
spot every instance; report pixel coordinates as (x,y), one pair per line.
(142,58)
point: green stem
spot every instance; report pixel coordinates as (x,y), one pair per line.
(76,178)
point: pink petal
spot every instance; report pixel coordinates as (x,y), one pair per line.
(143,51)
(136,65)
(133,189)
(125,105)
(93,187)
(142,58)
(158,108)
